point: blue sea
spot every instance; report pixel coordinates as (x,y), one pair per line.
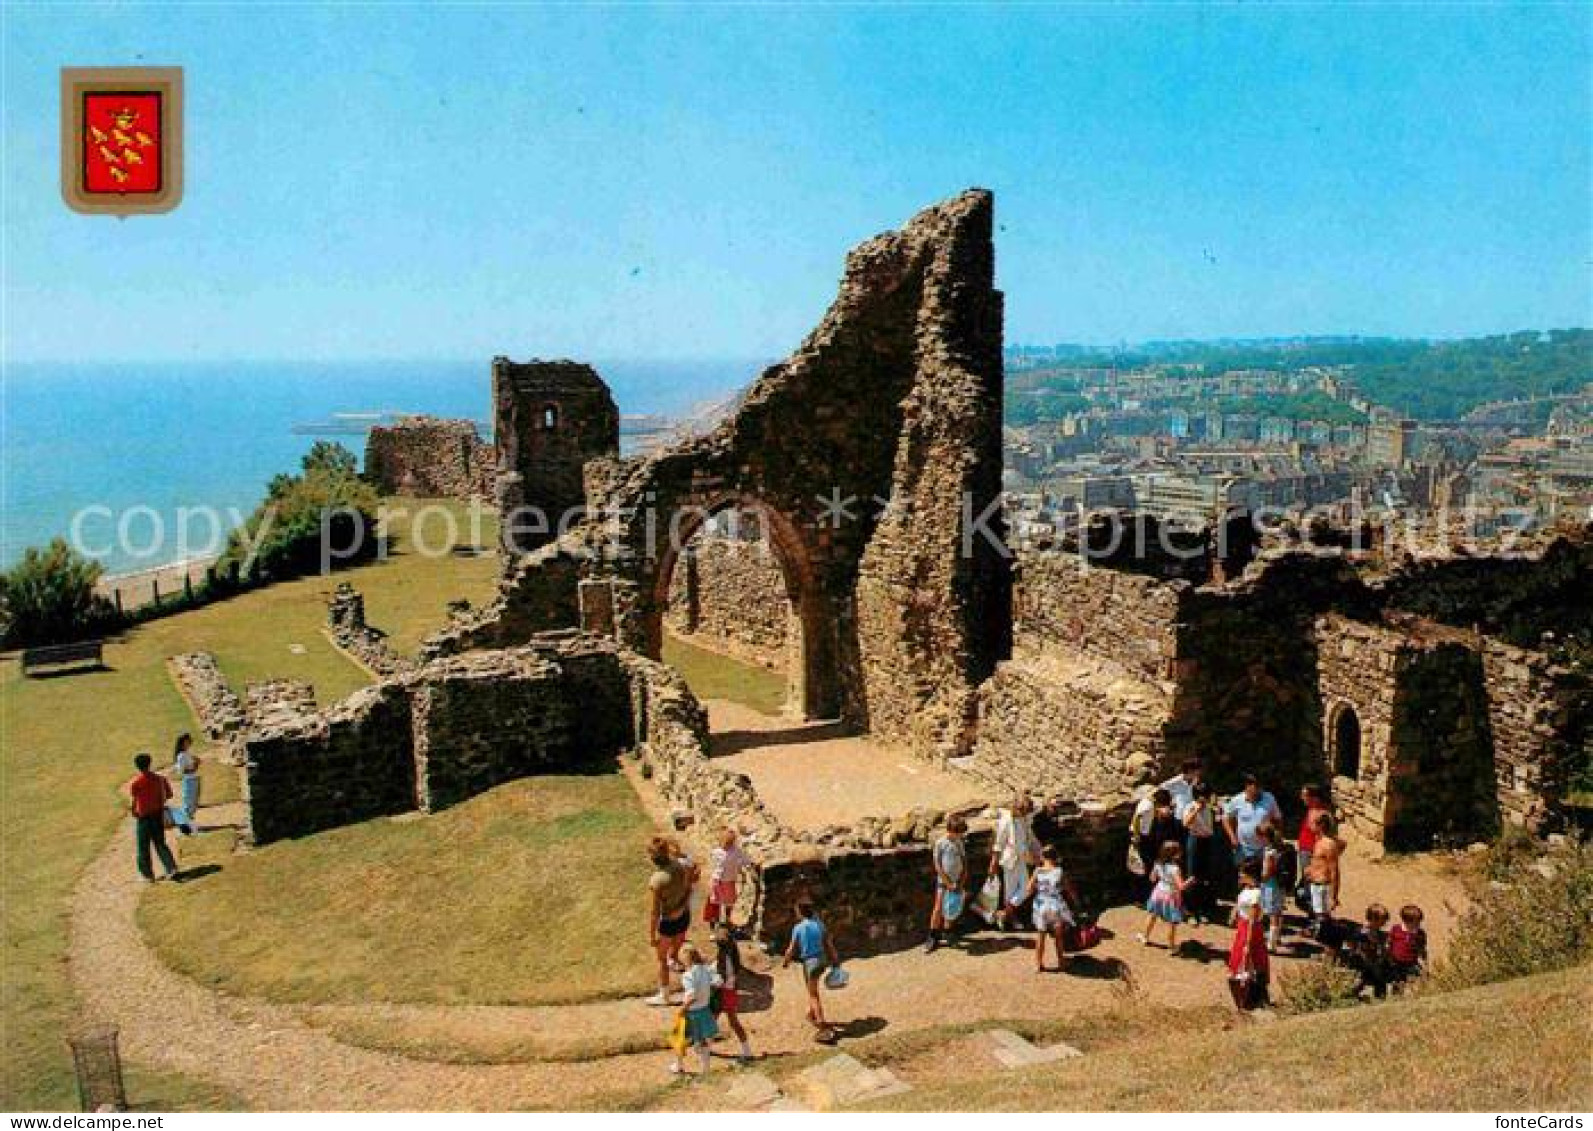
(212,434)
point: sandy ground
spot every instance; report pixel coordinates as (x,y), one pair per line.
(811,775)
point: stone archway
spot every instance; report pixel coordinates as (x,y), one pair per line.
(812,673)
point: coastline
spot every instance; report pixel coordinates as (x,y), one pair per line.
(137,588)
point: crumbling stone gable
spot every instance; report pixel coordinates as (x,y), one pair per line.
(549,419)
(430,457)
(895,397)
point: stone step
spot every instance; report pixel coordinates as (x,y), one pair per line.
(1013,1051)
(753,1090)
(843,1080)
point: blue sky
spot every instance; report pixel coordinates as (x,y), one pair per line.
(672,181)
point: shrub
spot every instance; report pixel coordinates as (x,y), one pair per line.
(1323,983)
(1530,915)
(327,501)
(48,597)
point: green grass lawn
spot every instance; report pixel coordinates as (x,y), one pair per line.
(66,745)
(522,895)
(712,675)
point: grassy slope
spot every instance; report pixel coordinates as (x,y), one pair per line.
(514,896)
(711,675)
(1514,1046)
(65,747)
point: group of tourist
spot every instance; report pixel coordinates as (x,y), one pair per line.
(708,989)
(1187,849)
(155,807)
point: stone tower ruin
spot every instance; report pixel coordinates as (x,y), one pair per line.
(549,419)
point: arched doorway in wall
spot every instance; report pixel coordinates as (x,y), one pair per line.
(1346,743)
(737,577)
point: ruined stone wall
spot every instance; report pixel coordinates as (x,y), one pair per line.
(1117,676)
(1540,720)
(673,730)
(1061,601)
(345,624)
(429,457)
(434,736)
(491,717)
(1247,697)
(1516,596)
(1441,777)
(1054,724)
(539,592)
(1358,671)
(199,680)
(729,595)
(880,898)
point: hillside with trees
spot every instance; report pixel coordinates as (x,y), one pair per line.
(1430,380)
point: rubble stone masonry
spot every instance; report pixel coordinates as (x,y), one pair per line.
(729,595)
(429,457)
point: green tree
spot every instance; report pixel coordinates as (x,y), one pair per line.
(331,457)
(327,505)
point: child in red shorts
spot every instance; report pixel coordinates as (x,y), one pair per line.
(728,963)
(726,863)
(1407,945)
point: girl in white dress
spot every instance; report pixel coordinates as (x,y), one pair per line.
(1050,910)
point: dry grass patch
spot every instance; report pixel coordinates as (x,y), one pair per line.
(520,896)
(1473,1050)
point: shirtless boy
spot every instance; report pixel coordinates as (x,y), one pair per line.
(1323,873)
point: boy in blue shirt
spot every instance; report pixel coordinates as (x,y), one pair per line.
(810,944)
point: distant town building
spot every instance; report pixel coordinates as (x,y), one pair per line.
(1390,440)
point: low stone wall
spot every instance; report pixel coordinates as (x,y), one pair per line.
(429,457)
(434,736)
(880,899)
(673,731)
(199,680)
(345,623)
(307,772)
(274,702)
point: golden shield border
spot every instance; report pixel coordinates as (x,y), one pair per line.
(168,83)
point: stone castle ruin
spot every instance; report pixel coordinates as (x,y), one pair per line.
(428,457)
(844,523)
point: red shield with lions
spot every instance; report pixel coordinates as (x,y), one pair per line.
(121,142)
(121,139)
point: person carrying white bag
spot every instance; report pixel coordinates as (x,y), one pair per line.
(1013,853)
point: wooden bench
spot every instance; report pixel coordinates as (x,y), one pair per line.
(90,652)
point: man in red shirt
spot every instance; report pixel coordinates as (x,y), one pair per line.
(147,794)
(1315,802)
